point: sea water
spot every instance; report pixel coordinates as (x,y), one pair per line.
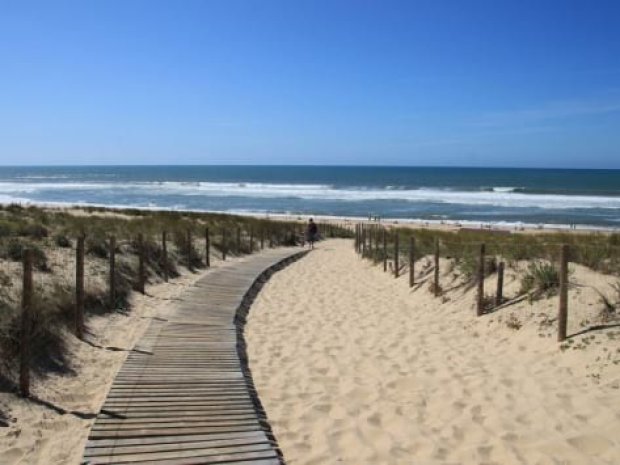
(470,195)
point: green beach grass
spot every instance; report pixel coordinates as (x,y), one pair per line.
(51,234)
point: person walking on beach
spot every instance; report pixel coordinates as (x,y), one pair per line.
(312,233)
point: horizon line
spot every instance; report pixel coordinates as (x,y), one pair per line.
(265,165)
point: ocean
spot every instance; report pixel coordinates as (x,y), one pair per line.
(467,195)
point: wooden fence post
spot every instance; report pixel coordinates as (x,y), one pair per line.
(251,241)
(262,238)
(499,294)
(363,241)
(79,288)
(238,241)
(396,254)
(480,294)
(141,270)
(563,304)
(436,270)
(385,257)
(189,250)
(223,244)
(164,251)
(411,261)
(24,362)
(207,248)
(112,277)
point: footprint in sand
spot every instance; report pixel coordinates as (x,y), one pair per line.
(476,414)
(590,444)
(322,408)
(458,434)
(485,451)
(13,455)
(458,406)
(507,382)
(523,419)
(375,419)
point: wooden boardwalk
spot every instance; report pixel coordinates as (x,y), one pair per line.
(185,395)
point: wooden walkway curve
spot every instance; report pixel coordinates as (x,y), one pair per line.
(185,395)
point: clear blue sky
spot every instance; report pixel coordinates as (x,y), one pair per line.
(465,83)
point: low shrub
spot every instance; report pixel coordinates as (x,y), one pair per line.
(14,208)
(15,252)
(513,322)
(595,258)
(124,285)
(6,229)
(5,287)
(34,231)
(155,260)
(468,267)
(48,346)
(611,305)
(541,278)
(97,247)
(62,241)
(187,250)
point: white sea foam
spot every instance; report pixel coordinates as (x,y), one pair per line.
(498,197)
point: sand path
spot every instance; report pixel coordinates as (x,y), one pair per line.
(353,367)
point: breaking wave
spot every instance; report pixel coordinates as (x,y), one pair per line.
(495,196)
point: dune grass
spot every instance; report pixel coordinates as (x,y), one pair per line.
(597,251)
(52,236)
(532,256)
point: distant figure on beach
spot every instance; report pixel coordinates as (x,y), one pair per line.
(312,233)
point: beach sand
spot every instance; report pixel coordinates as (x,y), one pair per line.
(354,367)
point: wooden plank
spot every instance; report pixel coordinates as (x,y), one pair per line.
(175,446)
(118,405)
(211,412)
(141,432)
(252,458)
(177,384)
(209,416)
(208,454)
(202,461)
(187,398)
(122,426)
(258,436)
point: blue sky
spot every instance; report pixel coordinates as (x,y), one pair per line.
(456,83)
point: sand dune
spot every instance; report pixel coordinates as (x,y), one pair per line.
(353,367)
(41,435)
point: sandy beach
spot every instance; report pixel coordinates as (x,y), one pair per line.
(354,367)
(309,233)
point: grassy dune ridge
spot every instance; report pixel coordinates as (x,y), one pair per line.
(530,258)
(51,234)
(595,250)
